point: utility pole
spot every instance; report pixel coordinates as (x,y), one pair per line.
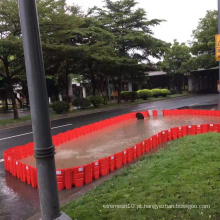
(219,33)
(44,149)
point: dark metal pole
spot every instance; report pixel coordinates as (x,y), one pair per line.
(219,33)
(44,149)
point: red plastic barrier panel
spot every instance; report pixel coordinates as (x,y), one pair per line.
(135,151)
(174,133)
(164,136)
(180,133)
(60,179)
(104,166)
(205,128)
(34,182)
(191,129)
(155,113)
(95,169)
(111,163)
(147,145)
(138,149)
(68,175)
(130,154)
(28,174)
(154,141)
(216,127)
(169,135)
(14,169)
(78,176)
(211,128)
(24,151)
(198,129)
(146,114)
(184,131)
(23,173)
(143,147)
(118,160)
(159,138)
(88,173)
(17,164)
(124,157)
(30,149)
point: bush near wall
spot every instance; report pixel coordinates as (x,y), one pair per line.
(156,92)
(96,100)
(60,107)
(145,94)
(129,96)
(165,92)
(81,103)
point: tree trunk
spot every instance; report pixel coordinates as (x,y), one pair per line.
(67,82)
(119,88)
(6,104)
(15,109)
(11,92)
(92,80)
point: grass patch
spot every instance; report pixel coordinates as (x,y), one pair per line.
(187,172)
(12,121)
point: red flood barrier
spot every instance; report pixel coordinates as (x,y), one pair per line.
(95,169)
(85,174)
(118,160)
(124,157)
(111,163)
(78,176)
(155,113)
(60,179)
(88,173)
(104,166)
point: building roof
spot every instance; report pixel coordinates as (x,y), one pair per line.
(157,73)
(203,70)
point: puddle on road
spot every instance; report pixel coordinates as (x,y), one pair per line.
(116,138)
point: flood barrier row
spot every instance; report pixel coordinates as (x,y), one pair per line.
(80,175)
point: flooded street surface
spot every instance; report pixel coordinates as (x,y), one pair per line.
(116,138)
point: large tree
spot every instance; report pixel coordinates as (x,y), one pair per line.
(131,30)
(203,44)
(175,63)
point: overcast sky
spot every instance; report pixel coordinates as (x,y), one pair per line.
(182,16)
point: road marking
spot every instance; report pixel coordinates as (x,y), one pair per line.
(61,126)
(194,104)
(31,132)
(143,108)
(2,160)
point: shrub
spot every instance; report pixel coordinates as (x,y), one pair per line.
(129,96)
(96,100)
(145,93)
(156,92)
(60,106)
(165,92)
(81,102)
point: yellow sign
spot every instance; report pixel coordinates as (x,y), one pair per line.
(217,47)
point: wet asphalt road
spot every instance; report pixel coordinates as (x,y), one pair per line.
(20,201)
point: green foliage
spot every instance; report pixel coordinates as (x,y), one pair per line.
(60,107)
(156,92)
(96,100)
(81,103)
(129,96)
(165,92)
(203,45)
(145,94)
